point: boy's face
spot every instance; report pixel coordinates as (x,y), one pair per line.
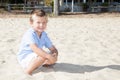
(39,23)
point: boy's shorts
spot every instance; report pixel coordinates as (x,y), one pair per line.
(26,61)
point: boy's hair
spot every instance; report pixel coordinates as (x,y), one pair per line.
(37,12)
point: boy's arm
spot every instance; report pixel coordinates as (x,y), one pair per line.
(40,52)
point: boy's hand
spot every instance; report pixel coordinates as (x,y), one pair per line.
(54,54)
(51,58)
(54,51)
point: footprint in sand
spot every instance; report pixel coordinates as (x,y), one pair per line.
(2,62)
(12,51)
(10,40)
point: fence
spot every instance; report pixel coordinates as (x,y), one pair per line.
(27,8)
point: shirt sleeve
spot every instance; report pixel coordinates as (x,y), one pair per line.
(29,39)
(48,42)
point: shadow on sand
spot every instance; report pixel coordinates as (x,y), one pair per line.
(72,68)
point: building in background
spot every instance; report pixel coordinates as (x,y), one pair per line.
(90,5)
(70,5)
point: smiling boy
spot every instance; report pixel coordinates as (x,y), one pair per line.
(31,55)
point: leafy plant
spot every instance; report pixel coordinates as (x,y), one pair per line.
(48,2)
(104,4)
(85,6)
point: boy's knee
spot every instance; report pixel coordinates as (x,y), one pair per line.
(40,59)
(51,63)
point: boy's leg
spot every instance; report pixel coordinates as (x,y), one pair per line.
(38,61)
(47,62)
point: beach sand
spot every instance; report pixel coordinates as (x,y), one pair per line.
(89,49)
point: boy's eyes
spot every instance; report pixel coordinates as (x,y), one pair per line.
(41,22)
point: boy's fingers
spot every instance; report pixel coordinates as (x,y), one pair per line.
(55,54)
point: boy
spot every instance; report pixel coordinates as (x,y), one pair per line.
(31,55)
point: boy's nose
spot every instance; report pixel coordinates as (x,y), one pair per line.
(41,24)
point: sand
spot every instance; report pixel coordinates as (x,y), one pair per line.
(89,49)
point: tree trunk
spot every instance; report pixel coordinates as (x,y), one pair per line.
(1,3)
(56,7)
(78,1)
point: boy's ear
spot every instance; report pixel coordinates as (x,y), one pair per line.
(31,22)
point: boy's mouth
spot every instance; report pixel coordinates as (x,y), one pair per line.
(40,28)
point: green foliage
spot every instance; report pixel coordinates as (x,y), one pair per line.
(48,2)
(85,6)
(104,4)
(52,4)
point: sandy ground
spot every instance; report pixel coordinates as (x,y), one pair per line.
(89,49)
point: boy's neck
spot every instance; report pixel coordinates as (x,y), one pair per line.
(39,34)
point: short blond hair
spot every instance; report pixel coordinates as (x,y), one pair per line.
(39,13)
